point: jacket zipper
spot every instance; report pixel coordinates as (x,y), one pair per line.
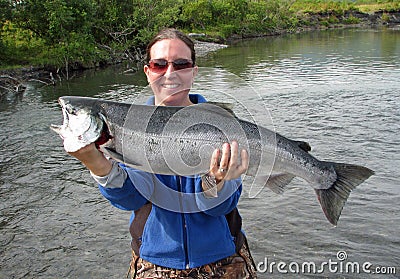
(179,181)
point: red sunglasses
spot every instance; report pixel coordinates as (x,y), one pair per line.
(161,65)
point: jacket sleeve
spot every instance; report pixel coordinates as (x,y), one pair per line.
(127,188)
(224,203)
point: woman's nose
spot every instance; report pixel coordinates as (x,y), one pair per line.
(170,69)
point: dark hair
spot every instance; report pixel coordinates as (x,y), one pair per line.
(170,33)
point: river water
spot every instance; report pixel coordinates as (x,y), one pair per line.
(339,90)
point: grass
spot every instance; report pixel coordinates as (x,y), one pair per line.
(364,6)
(372,8)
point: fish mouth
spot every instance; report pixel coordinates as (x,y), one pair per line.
(64,104)
(105,133)
(66,109)
(59,128)
(98,130)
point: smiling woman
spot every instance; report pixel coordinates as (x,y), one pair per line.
(207,243)
(170,69)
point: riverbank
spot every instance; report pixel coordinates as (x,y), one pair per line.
(322,21)
(14,80)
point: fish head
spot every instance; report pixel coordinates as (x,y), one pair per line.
(83,122)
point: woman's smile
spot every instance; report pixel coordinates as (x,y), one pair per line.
(170,85)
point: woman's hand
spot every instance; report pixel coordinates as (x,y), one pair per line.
(93,159)
(231,165)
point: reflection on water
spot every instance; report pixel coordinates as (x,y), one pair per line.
(338,90)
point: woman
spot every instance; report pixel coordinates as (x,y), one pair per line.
(168,243)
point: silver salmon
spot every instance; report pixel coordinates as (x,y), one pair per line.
(180,141)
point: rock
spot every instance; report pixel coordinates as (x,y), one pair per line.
(196,35)
(203,48)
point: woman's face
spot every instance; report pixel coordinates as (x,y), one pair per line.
(171,84)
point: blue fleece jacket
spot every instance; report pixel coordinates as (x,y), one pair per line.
(195,234)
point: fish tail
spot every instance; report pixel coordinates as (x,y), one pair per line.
(333,199)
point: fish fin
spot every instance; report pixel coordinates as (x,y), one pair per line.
(333,199)
(278,182)
(226,106)
(303,145)
(118,156)
(256,184)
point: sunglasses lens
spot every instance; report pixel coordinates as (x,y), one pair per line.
(158,65)
(181,64)
(161,65)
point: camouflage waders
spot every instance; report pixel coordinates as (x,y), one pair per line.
(238,266)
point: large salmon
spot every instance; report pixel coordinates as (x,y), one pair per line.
(180,140)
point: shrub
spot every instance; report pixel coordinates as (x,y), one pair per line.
(351,20)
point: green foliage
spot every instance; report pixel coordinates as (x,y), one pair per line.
(352,20)
(63,32)
(5,11)
(333,20)
(226,17)
(51,32)
(198,14)
(149,16)
(53,20)
(385,17)
(323,6)
(280,16)
(77,49)
(18,45)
